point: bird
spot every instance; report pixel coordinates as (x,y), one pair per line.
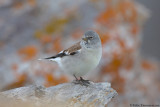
(80,58)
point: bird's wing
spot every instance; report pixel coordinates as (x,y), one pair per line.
(70,51)
(73,49)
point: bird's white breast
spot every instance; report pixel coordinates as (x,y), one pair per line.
(81,63)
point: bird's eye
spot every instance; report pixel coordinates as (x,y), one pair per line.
(90,37)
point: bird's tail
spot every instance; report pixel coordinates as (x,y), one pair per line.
(53,58)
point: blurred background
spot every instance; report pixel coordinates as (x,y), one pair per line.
(151,32)
(129,30)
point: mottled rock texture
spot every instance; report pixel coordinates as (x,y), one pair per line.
(63,95)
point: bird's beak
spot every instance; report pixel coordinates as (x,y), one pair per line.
(85,39)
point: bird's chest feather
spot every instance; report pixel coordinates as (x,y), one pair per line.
(92,56)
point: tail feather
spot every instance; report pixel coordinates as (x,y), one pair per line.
(56,58)
(52,57)
(49,58)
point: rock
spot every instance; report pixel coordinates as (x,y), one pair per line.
(63,95)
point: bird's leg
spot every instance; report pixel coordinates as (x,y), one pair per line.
(75,77)
(85,82)
(81,81)
(77,81)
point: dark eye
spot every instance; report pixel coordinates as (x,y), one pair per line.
(90,37)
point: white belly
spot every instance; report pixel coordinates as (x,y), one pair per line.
(81,63)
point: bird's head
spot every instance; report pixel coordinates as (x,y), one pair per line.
(91,39)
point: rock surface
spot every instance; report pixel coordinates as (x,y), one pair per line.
(63,95)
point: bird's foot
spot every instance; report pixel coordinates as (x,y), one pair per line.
(84,81)
(81,81)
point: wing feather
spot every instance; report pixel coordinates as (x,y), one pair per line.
(70,51)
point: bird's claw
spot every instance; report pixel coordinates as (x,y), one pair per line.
(81,81)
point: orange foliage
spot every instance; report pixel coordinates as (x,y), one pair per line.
(77,34)
(107,17)
(129,64)
(135,29)
(46,39)
(121,42)
(51,80)
(38,34)
(116,63)
(123,60)
(18,5)
(32,2)
(21,80)
(14,67)
(148,65)
(113,66)
(128,11)
(124,10)
(55,25)
(104,37)
(57,44)
(118,83)
(28,52)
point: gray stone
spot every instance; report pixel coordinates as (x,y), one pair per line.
(63,95)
